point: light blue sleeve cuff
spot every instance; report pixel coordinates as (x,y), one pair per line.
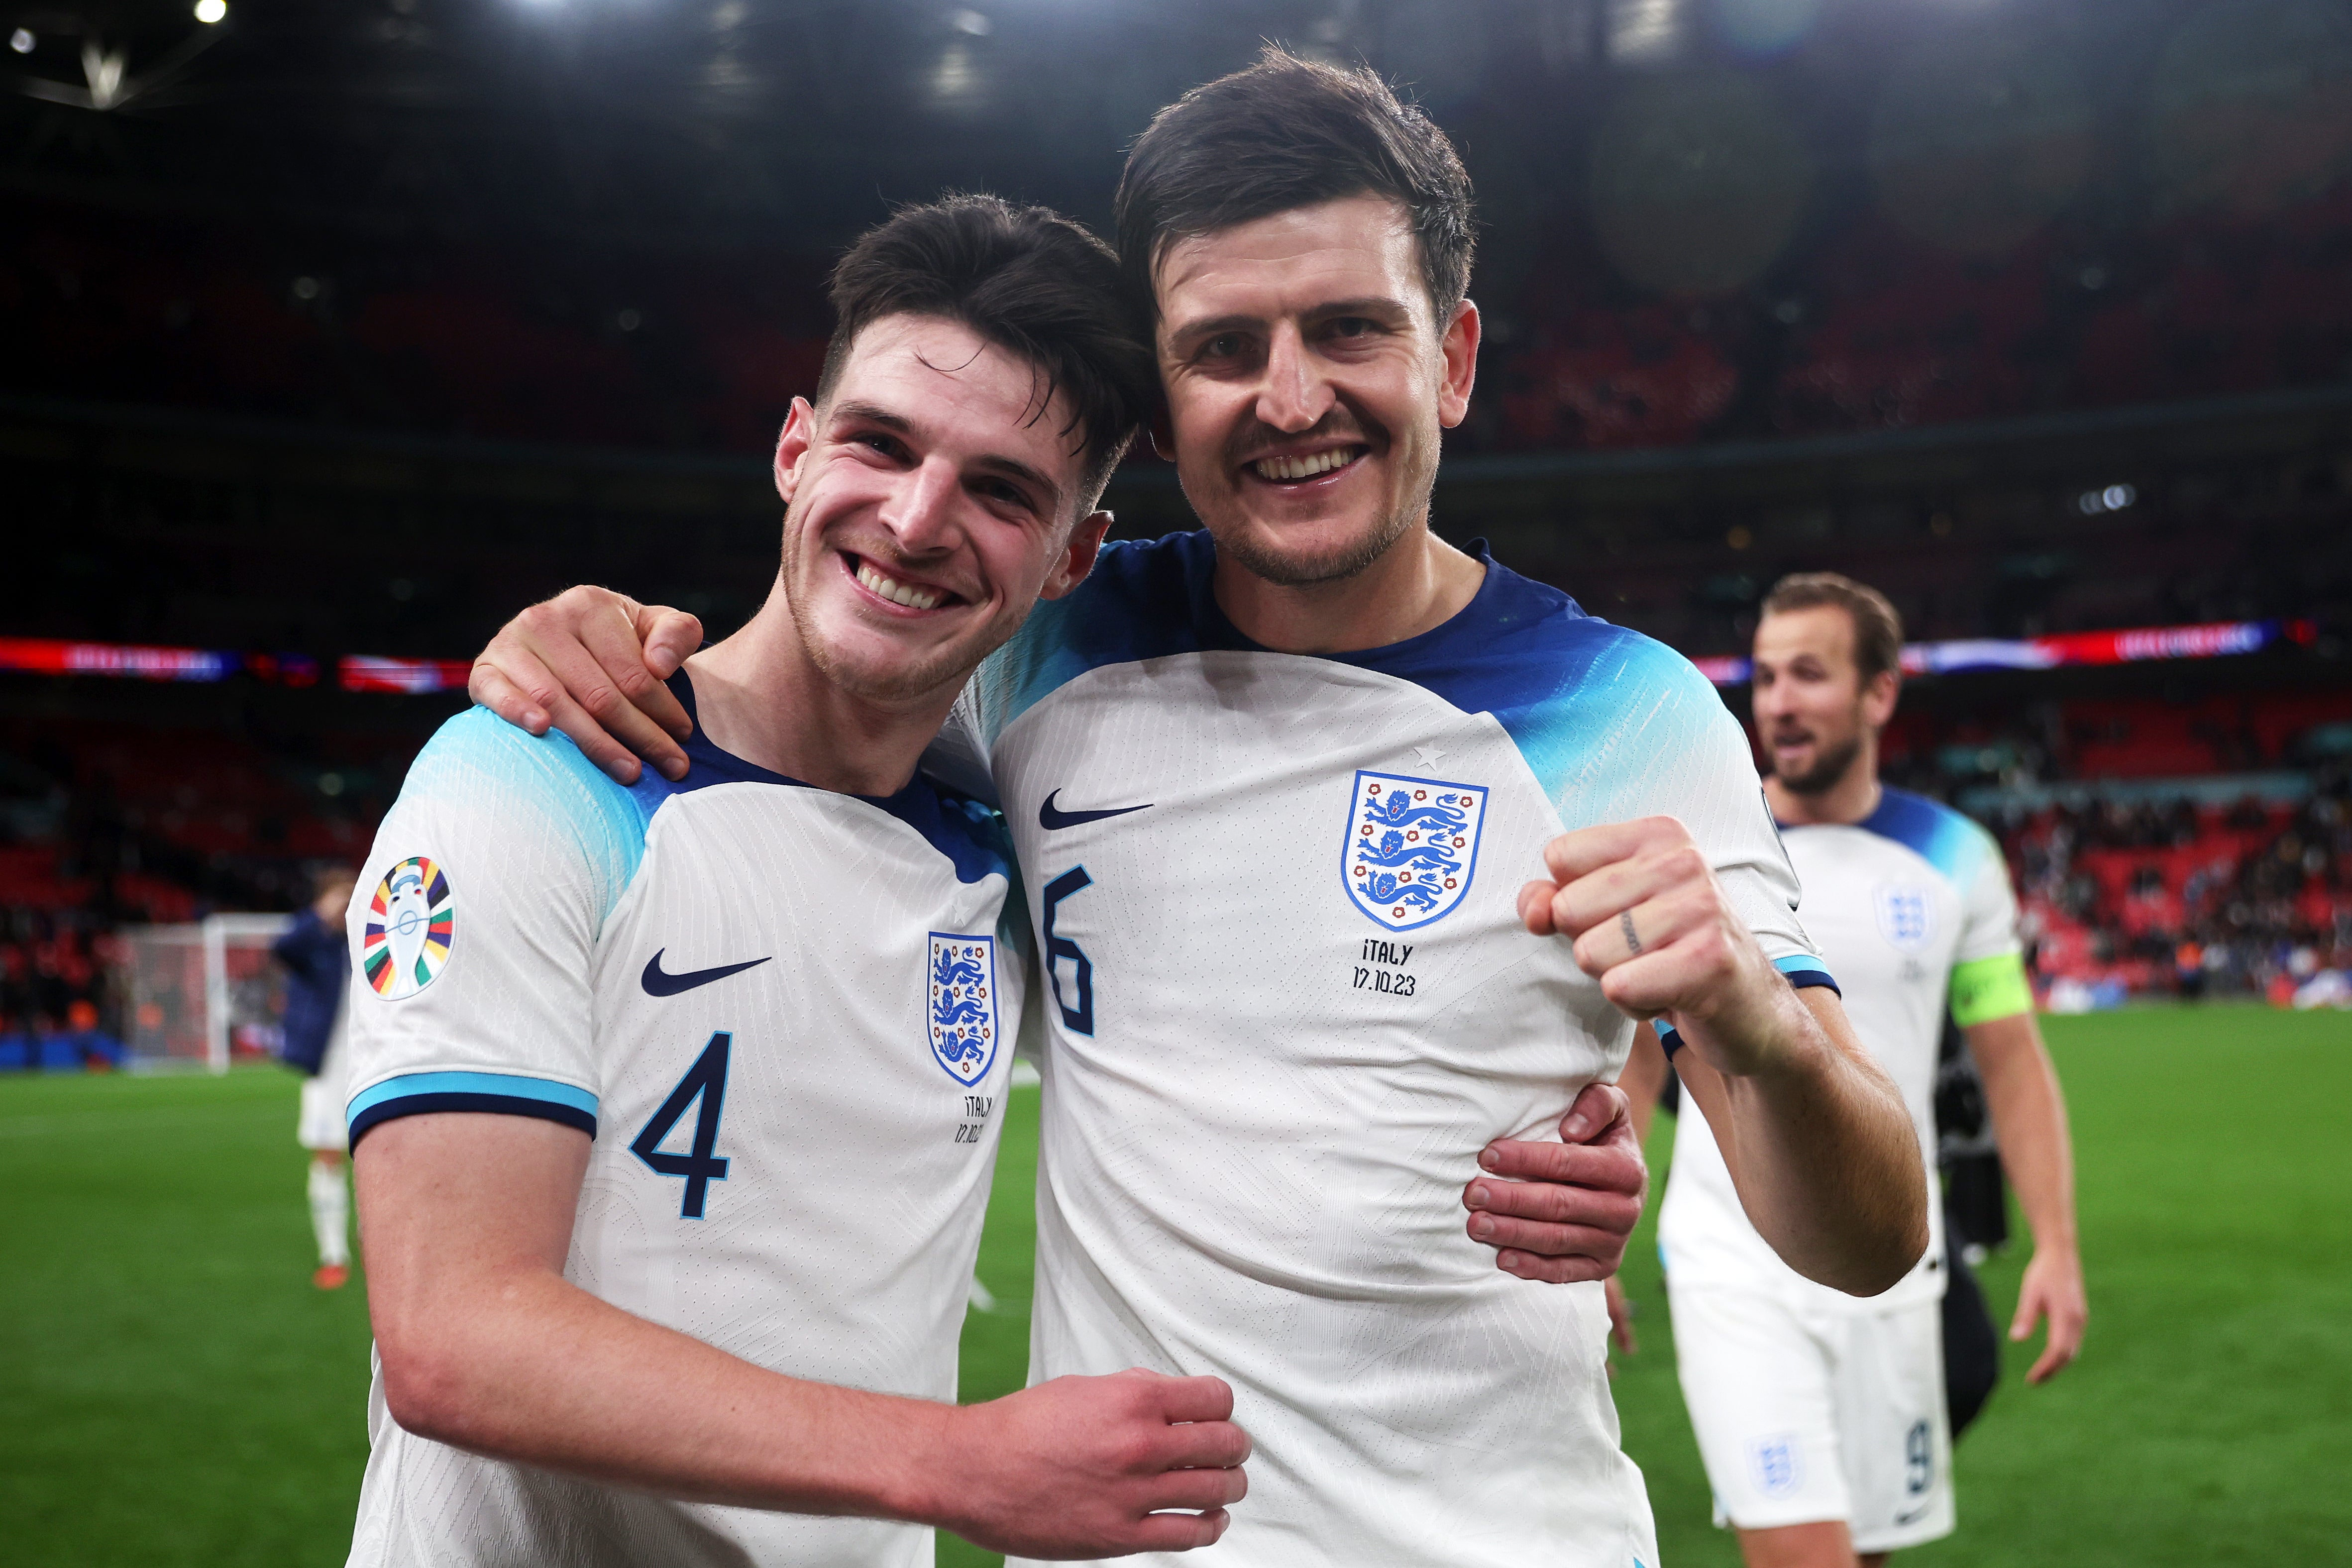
(500,1093)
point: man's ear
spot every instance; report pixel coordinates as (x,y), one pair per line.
(1078,555)
(799,435)
(1878,697)
(1163,431)
(1459,347)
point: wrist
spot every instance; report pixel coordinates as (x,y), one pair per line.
(1783,1043)
(2057,1247)
(914,1460)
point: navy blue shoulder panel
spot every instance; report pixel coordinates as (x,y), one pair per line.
(969,833)
(1948,840)
(1515,633)
(1144,600)
(1550,674)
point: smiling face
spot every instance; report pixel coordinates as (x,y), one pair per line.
(929,503)
(1813,710)
(1307,380)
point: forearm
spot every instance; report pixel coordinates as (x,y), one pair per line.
(530,1368)
(2028,1121)
(485,1346)
(1824,1157)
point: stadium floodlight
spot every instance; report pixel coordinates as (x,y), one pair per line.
(22,40)
(2108,499)
(1644,32)
(211,12)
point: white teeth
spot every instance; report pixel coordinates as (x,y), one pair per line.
(1303,467)
(897,592)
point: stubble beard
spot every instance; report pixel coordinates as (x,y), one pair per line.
(1830,768)
(902,684)
(1349,558)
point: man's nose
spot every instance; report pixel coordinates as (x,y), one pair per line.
(1294,394)
(923,508)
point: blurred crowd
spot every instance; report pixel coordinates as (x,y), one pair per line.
(54,971)
(2131,881)
(105,827)
(2160,896)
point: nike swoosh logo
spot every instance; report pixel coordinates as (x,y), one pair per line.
(1915,1515)
(1050,819)
(658,983)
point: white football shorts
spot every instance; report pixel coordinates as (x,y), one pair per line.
(1805,1415)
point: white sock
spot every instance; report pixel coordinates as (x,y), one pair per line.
(329,1209)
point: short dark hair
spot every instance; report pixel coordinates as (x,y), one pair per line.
(1877,629)
(1028,280)
(1287,133)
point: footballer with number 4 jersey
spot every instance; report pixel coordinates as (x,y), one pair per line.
(674,1107)
(759,1000)
(1351,858)
(1821,1417)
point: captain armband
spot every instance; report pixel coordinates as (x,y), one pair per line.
(1984,989)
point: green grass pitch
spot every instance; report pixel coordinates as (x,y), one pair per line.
(172,1391)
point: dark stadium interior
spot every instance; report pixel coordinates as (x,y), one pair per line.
(347,331)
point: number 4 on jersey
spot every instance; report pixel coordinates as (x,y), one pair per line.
(706,1081)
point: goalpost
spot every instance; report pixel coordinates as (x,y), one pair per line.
(201,994)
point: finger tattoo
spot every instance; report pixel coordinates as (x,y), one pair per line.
(1625,925)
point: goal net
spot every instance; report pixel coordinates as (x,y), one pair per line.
(204,994)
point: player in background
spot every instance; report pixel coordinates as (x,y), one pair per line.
(1821,1417)
(1277,786)
(673,1107)
(317,963)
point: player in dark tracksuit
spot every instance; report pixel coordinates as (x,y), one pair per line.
(317,963)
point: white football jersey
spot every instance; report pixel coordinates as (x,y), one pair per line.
(1288,999)
(782,1015)
(1896,901)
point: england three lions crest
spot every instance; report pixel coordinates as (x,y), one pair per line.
(1412,846)
(960,1000)
(1907,916)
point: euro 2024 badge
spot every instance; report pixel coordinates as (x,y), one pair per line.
(411,921)
(1412,846)
(1907,914)
(961,1003)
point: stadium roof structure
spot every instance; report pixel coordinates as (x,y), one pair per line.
(665,123)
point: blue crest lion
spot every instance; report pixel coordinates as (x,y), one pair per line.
(960,1005)
(1411,847)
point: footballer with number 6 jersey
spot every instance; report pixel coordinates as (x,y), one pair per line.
(1279,788)
(1227,843)
(1821,1417)
(674,1107)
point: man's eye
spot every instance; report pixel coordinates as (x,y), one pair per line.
(1352,327)
(1003,492)
(1223,346)
(886,444)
